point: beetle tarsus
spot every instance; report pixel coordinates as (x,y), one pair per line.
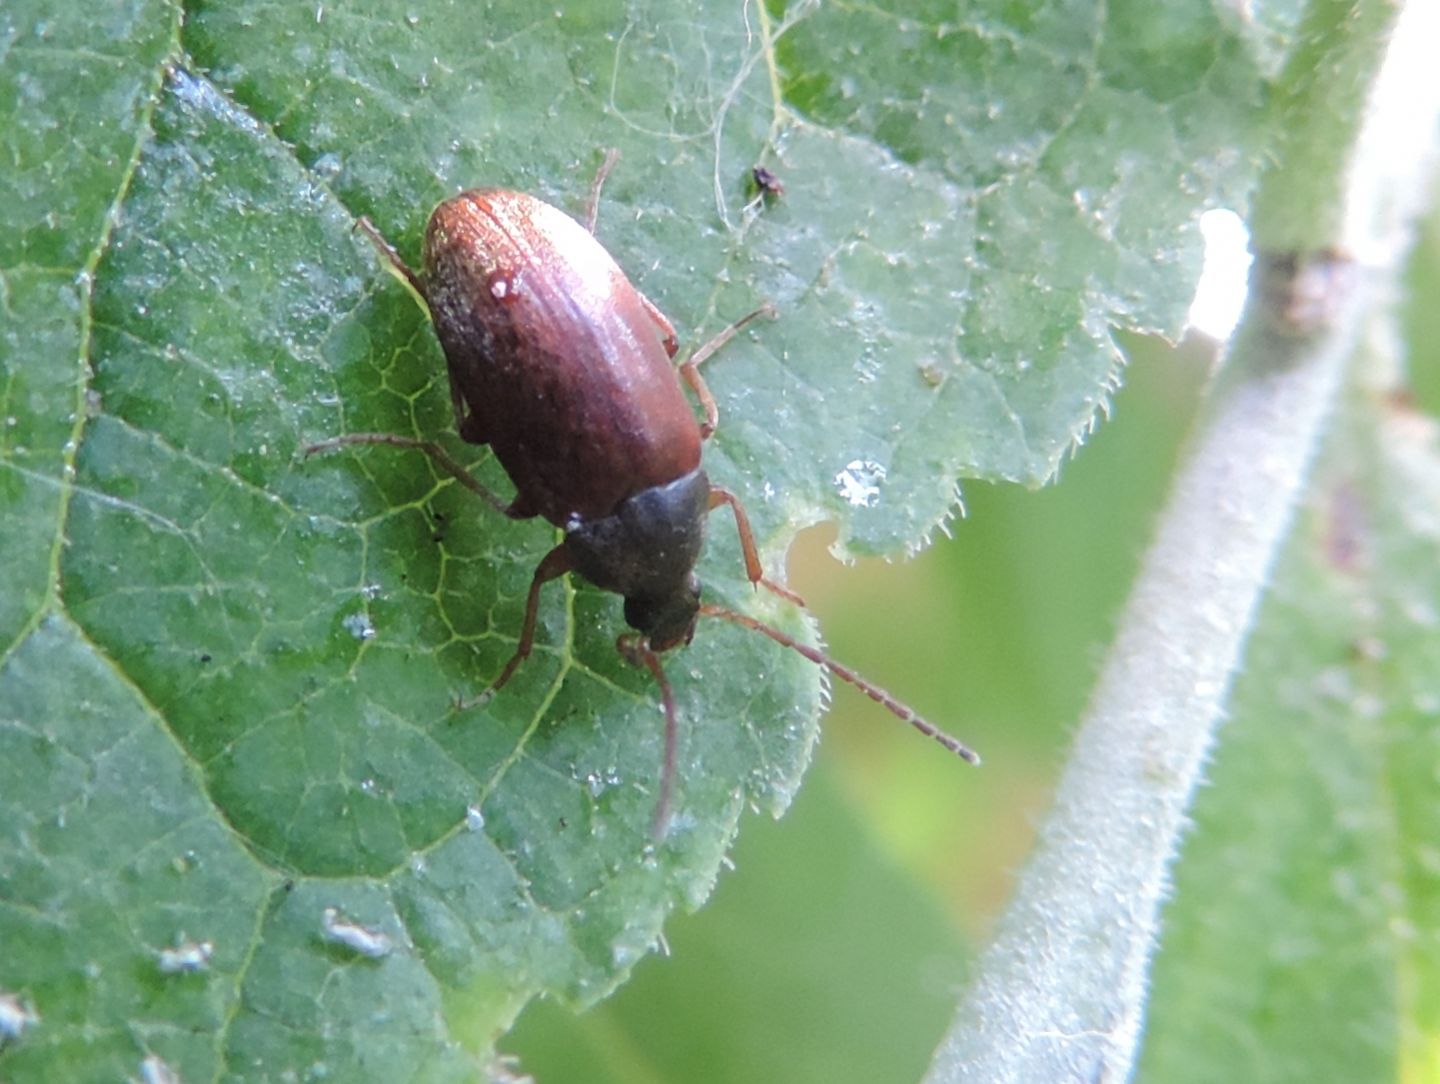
(781,590)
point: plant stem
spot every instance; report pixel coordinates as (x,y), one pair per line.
(1060,994)
(1316,114)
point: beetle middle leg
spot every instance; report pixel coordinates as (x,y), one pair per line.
(387,250)
(690,368)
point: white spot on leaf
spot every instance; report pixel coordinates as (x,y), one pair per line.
(186,957)
(367,942)
(859,483)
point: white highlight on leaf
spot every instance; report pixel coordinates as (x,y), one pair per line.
(859,483)
(153,1070)
(1224,281)
(367,942)
(359,626)
(186,957)
(15,1017)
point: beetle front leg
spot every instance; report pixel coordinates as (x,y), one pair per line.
(554,565)
(753,569)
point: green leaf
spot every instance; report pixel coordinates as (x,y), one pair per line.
(71,142)
(274,644)
(780,972)
(970,201)
(113,855)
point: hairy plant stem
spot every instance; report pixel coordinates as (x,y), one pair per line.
(1060,994)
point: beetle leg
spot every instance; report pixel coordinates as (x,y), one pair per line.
(690,370)
(753,568)
(668,338)
(592,205)
(470,428)
(638,652)
(438,455)
(467,422)
(690,367)
(554,565)
(388,251)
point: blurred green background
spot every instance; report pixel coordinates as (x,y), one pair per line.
(835,948)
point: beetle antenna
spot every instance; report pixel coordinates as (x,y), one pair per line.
(901,711)
(639,653)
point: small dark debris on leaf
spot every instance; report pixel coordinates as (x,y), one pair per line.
(931,374)
(766,184)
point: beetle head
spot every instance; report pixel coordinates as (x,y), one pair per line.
(666,620)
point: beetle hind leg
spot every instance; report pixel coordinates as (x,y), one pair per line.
(438,455)
(467,421)
(690,367)
(592,205)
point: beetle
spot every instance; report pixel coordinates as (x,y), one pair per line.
(566,371)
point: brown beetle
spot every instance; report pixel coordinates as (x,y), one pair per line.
(565,369)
